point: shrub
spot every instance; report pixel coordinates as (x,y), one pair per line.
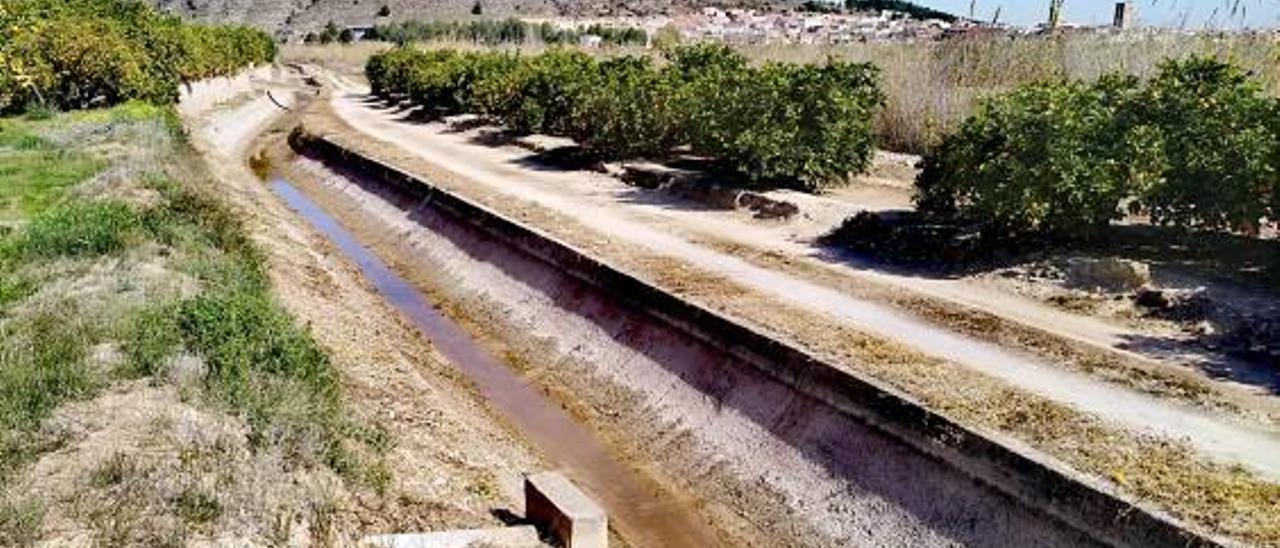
(798,125)
(705,73)
(490,83)
(1198,146)
(388,71)
(1273,212)
(555,83)
(1219,141)
(432,80)
(330,33)
(1048,157)
(78,53)
(803,124)
(630,112)
(782,123)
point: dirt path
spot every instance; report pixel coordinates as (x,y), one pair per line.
(453,462)
(595,203)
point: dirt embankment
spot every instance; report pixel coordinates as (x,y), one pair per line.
(452,463)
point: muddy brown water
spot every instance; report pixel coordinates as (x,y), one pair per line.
(642,511)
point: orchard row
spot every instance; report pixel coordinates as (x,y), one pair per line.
(69,54)
(780,123)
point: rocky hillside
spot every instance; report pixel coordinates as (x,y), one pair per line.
(292,18)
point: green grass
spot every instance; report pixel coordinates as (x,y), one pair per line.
(34,175)
(260,364)
(74,229)
(42,365)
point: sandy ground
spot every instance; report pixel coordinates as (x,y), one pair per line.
(608,214)
(453,462)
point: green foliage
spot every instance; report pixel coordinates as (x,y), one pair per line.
(806,126)
(73,54)
(1219,139)
(241,334)
(631,111)
(198,507)
(551,90)
(817,6)
(706,74)
(796,124)
(152,337)
(75,229)
(1047,157)
(667,38)
(262,365)
(35,174)
(330,34)
(1194,147)
(42,364)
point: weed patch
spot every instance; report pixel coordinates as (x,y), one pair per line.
(42,364)
(19,522)
(259,365)
(197,507)
(35,173)
(75,229)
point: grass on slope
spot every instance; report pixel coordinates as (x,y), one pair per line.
(35,173)
(70,285)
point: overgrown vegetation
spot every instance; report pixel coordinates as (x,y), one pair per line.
(798,125)
(933,86)
(1195,147)
(60,306)
(493,32)
(69,54)
(35,173)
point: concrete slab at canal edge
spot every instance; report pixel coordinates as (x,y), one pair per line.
(524,536)
(553,501)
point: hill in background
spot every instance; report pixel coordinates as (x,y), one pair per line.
(294,17)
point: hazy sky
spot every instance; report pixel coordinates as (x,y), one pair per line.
(1172,13)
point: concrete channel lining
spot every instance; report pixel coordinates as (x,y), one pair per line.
(1045,486)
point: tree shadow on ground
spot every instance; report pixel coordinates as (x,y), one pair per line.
(1225,340)
(906,243)
(1219,356)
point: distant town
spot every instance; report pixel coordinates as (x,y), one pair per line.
(816,22)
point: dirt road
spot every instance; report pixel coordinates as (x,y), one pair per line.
(608,212)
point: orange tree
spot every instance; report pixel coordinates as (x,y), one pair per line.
(79,53)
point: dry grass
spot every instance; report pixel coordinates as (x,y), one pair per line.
(931,86)
(1224,499)
(141,273)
